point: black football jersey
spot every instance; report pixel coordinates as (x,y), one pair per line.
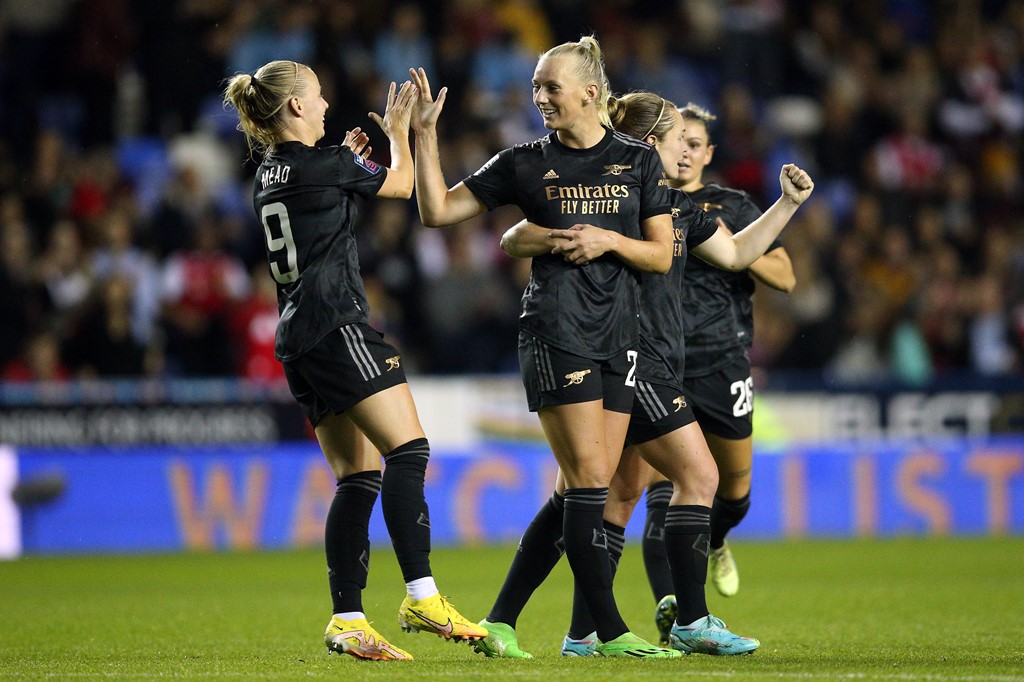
(305,200)
(662,344)
(718,311)
(588,310)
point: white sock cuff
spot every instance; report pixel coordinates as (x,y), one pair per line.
(421,588)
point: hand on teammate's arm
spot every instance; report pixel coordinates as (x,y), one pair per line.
(582,243)
(738,251)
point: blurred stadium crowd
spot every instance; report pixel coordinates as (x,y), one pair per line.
(129,244)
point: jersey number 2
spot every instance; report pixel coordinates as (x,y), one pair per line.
(280,246)
(631,356)
(744,390)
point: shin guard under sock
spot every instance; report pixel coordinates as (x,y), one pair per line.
(405,508)
(687,527)
(347,540)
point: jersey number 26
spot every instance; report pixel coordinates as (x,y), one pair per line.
(744,390)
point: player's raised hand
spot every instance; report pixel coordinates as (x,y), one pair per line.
(796,183)
(397,111)
(427,109)
(358,142)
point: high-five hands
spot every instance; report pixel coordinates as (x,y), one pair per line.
(427,109)
(397,111)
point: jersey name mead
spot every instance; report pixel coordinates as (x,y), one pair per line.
(275,174)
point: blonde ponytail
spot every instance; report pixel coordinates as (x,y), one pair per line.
(260,99)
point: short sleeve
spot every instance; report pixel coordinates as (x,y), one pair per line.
(701,227)
(358,175)
(494,184)
(654,197)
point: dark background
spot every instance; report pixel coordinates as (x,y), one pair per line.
(128,246)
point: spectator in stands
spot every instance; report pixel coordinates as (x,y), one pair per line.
(119,255)
(64,271)
(878,71)
(39,361)
(103,345)
(253,328)
(200,287)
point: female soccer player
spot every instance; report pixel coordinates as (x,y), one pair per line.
(578,328)
(662,429)
(720,329)
(348,380)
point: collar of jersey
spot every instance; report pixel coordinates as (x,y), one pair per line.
(572,151)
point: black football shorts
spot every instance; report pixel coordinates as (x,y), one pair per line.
(347,366)
(553,376)
(657,409)
(723,401)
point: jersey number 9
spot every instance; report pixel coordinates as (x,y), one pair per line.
(280,247)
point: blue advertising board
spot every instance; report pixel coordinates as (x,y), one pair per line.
(159,498)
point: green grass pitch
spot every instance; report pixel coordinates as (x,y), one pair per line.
(905,609)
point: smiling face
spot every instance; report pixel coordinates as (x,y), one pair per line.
(672,146)
(697,153)
(559,94)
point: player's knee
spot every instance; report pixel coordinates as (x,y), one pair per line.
(698,483)
(621,503)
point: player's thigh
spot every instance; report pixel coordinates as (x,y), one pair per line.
(576,434)
(388,418)
(345,447)
(684,458)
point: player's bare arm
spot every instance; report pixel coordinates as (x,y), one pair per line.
(526,240)
(775,269)
(395,124)
(583,243)
(438,205)
(738,251)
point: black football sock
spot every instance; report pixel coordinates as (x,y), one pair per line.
(726,515)
(687,527)
(659,575)
(539,550)
(582,622)
(347,539)
(586,546)
(405,508)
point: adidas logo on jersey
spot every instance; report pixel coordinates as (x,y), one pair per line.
(550,175)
